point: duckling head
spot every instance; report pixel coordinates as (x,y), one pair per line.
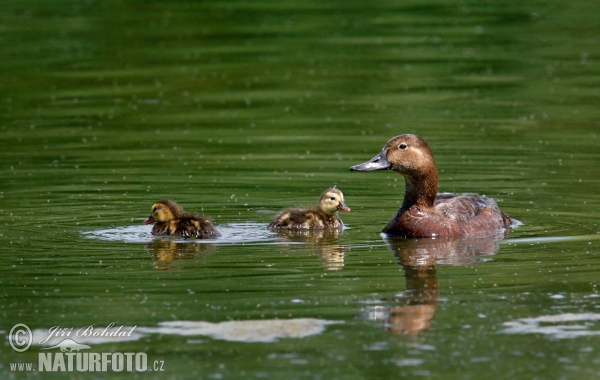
(163,211)
(332,201)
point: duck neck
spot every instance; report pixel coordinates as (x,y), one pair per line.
(420,190)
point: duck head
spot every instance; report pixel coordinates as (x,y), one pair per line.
(332,201)
(410,156)
(163,211)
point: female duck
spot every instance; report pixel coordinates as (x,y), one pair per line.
(320,217)
(172,220)
(424,212)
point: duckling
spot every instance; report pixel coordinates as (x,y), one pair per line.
(322,216)
(424,212)
(172,220)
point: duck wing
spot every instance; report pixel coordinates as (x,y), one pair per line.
(461,207)
(465,207)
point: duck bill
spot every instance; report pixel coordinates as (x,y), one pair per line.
(378,162)
(150,220)
(342,207)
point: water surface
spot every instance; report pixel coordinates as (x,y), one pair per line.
(238,109)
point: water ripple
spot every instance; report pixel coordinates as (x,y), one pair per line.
(561,326)
(231,233)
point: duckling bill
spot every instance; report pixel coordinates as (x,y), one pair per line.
(320,217)
(424,212)
(171,220)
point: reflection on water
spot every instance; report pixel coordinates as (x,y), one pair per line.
(445,251)
(422,292)
(326,242)
(419,257)
(165,251)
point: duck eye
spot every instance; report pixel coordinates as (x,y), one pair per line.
(402,146)
(332,198)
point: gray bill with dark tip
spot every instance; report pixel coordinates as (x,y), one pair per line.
(378,162)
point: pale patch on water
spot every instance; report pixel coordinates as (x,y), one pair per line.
(376,346)
(269,330)
(560,326)
(406,362)
(231,233)
(551,239)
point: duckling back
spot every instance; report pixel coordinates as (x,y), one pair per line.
(300,219)
(191,226)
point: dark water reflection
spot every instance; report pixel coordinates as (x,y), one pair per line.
(417,253)
(419,257)
(166,252)
(325,242)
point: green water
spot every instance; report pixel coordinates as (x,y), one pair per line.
(239,109)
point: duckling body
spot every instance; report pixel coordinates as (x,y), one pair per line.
(424,212)
(171,220)
(305,218)
(320,217)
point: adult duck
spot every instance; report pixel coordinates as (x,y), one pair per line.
(424,212)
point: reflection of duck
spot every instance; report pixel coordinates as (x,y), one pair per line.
(424,212)
(322,216)
(172,220)
(451,251)
(326,241)
(423,292)
(418,257)
(166,252)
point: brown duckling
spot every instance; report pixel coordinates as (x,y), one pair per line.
(424,212)
(322,216)
(172,220)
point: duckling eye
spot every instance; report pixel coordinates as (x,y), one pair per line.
(332,198)
(402,146)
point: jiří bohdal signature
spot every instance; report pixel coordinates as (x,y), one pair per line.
(87,331)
